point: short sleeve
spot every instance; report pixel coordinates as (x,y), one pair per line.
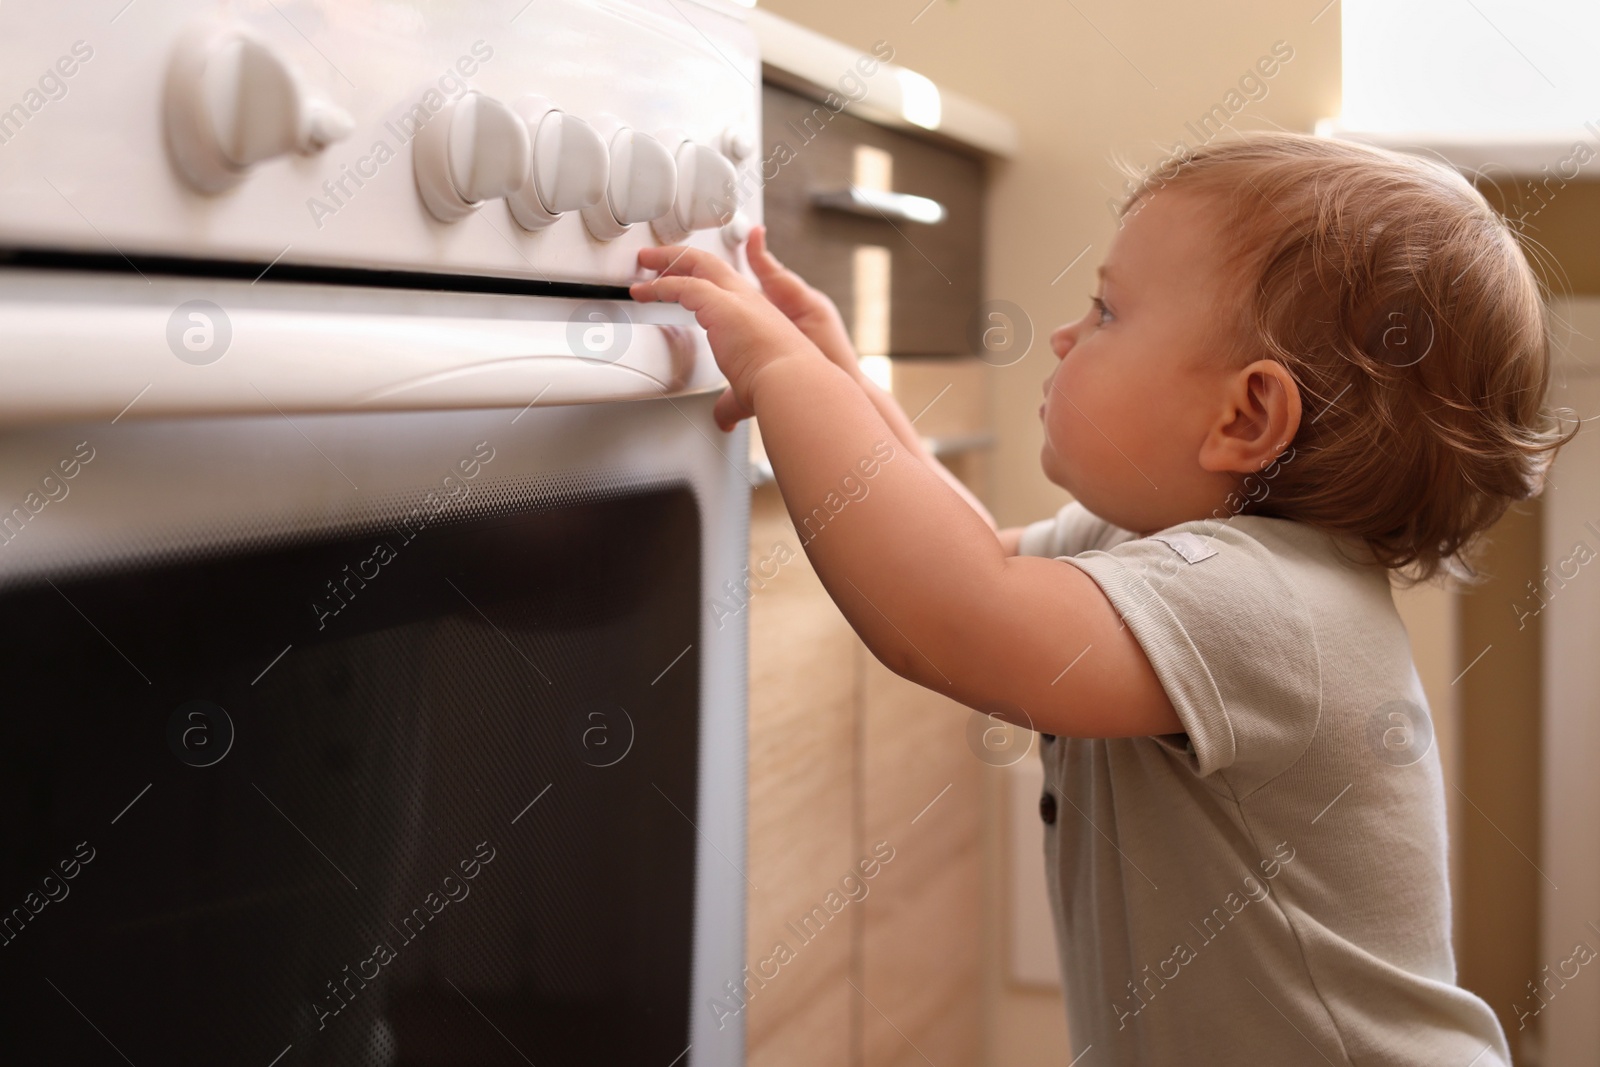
(1071,530)
(1231,638)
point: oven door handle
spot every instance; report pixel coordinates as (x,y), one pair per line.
(105,360)
(901,207)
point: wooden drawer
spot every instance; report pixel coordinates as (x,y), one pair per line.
(904,287)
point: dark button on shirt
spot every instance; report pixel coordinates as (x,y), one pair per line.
(1047,808)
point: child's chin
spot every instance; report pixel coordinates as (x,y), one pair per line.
(1054,470)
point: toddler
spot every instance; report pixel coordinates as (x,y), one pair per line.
(1308,364)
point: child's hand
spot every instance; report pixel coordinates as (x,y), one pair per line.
(809,309)
(747,333)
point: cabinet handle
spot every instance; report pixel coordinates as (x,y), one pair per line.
(902,207)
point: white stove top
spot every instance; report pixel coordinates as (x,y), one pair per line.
(543,141)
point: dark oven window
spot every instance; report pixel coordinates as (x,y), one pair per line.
(449,825)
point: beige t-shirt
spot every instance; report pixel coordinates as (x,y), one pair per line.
(1269,886)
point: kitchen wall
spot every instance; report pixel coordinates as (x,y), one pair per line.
(1505,878)
(1082,81)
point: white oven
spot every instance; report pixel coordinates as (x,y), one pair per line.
(375,692)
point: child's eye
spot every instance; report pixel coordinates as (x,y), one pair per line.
(1102,313)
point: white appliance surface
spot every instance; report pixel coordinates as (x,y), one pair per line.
(85,161)
(223,237)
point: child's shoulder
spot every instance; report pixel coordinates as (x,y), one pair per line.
(1309,553)
(1253,581)
(1226,554)
(1245,541)
(1072,529)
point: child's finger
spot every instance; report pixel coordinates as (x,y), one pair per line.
(662,258)
(728,410)
(783,286)
(684,260)
(762,261)
(767,267)
(645,292)
(690,293)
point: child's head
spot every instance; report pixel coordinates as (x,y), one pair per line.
(1312,329)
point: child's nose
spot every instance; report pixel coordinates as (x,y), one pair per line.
(1061,340)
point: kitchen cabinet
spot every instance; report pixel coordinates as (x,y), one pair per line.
(845,758)
(849,763)
(904,287)
(803,805)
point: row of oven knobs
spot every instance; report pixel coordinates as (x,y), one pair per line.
(232,102)
(545,162)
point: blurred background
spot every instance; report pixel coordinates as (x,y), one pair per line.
(1007,116)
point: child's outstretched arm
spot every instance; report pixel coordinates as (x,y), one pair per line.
(918,574)
(818,318)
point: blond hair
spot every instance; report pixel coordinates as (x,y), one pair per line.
(1403,307)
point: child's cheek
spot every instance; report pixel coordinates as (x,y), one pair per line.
(1074,374)
(1064,428)
(1077,394)
(1084,412)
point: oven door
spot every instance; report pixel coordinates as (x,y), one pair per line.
(387,716)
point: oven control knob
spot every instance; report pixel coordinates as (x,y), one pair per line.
(641,185)
(569,169)
(737,231)
(231,102)
(476,149)
(706,195)
(738,144)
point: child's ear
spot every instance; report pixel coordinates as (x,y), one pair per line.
(1260,416)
